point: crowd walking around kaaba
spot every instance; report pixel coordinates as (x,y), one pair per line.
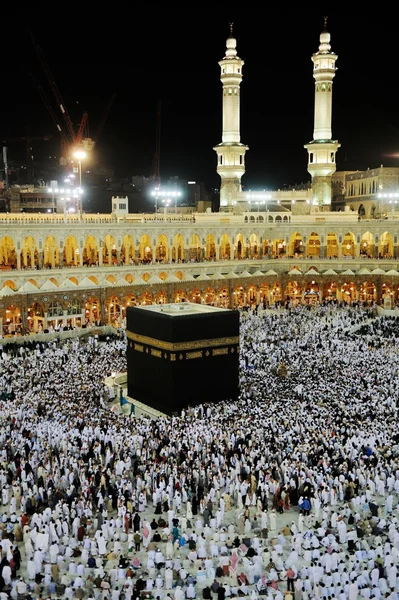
(289,491)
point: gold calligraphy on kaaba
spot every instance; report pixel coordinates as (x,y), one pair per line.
(219,351)
(197,354)
(182,346)
(156,353)
(139,347)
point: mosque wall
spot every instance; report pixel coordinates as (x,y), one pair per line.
(77,275)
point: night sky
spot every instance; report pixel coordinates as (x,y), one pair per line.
(171,55)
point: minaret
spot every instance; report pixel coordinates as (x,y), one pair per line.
(322,149)
(230,153)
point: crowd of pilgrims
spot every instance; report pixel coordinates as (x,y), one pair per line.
(290,490)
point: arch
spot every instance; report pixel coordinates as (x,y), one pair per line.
(311,292)
(51,253)
(12,321)
(195,250)
(386,246)
(278,248)
(145,250)
(368,292)
(194,295)
(162,253)
(239,247)
(36,318)
(391,289)
(55,281)
(223,297)
(348,292)
(113,311)
(313,245)
(146,298)
(332,245)
(111,279)
(276,293)
(178,249)
(92,311)
(209,296)
(145,277)
(238,296)
(367,245)
(162,275)
(110,251)
(90,251)
(253,246)
(265,247)
(296,247)
(92,278)
(179,275)
(180,296)
(33,282)
(161,297)
(264,292)
(129,277)
(11,284)
(349,245)
(29,253)
(210,247)
(293,292)
(70,254)
(361,210)
(128,252)
(225,247)
(330,291)
(252,295)
(8,254)
(74,280)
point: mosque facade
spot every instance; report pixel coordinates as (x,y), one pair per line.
(65,270)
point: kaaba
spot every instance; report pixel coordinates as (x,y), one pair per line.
(181,355)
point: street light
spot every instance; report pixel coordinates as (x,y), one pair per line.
(80,155)
(165,202)
(165,194)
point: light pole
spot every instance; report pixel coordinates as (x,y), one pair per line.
(165,202)
(165,195)
(80,155)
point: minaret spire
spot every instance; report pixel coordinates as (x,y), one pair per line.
(322,149)
(231,152)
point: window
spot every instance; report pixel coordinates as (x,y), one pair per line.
(241,161)
(220,160)
(122,206)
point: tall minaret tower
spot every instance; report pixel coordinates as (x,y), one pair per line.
(322,149)
(230,153)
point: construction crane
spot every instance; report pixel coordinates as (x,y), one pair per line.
(157,155)
(103,119)
(74,137)
(65,142)
(70,139)
(27,139)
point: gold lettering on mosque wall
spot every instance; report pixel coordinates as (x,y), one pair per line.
(219,351)
(182,346)
(156,353)
(139,347)
(197,354)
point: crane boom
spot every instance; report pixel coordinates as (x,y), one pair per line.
(104,117)
(54,88)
